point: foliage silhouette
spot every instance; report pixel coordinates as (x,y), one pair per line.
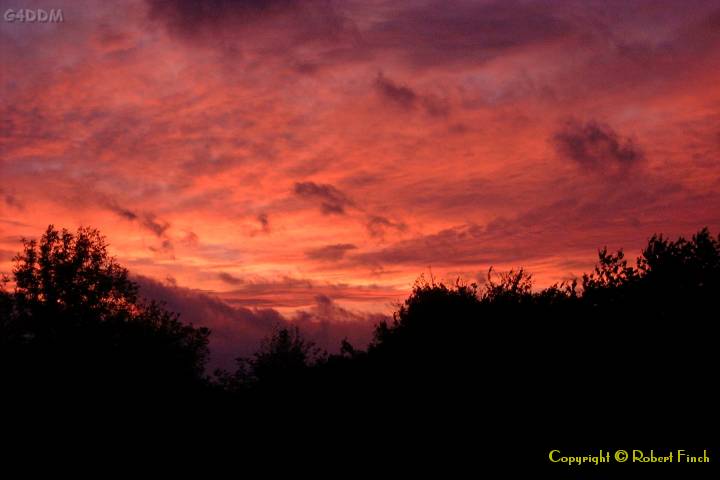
(282,359)
(74,325)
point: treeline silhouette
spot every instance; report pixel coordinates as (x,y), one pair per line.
(631,343)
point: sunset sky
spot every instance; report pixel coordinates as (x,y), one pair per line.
(262,160)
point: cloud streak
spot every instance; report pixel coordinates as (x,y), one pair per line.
(596,146)
(331,253)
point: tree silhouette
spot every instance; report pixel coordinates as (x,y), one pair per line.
(282,360)
(74,323)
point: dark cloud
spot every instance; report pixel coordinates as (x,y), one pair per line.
(264,222)
(327,323)
(230,279)
(377,225)
(435,106)
(326,309)
(332,200)
(149,221)
(399,94)
(192,15)
(165,248)
(406,98)
(235,23)
(467,32)
(300,292)
(123,212)
(10,200)
(583,217)
(263,219)
(452,246)
(237,331)
(191,239)
(331,252)
(596,146)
